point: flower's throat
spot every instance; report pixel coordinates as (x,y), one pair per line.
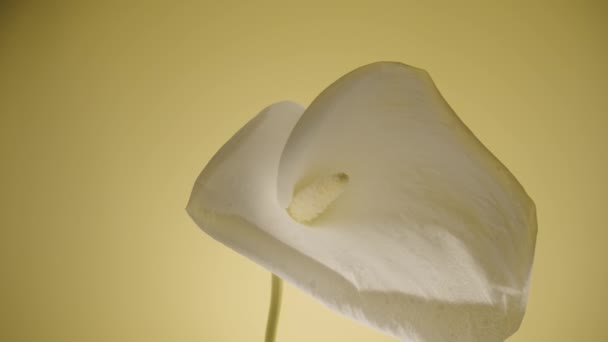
(313,199)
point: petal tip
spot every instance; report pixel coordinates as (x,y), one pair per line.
(392,66)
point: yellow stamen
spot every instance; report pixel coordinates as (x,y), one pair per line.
(312,200)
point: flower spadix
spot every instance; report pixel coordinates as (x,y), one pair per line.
(379,202)
(309,201)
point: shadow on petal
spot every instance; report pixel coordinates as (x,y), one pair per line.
(407,317)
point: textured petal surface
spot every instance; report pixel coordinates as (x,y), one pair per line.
(429,211)
(431,239)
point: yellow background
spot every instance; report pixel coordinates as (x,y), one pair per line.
(108,112)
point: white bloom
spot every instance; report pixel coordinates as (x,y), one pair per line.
(380,203)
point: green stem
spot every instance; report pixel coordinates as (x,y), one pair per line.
(275,308)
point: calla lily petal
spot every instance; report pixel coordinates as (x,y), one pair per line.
(379,202)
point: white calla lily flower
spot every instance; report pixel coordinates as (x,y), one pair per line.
(380,203)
